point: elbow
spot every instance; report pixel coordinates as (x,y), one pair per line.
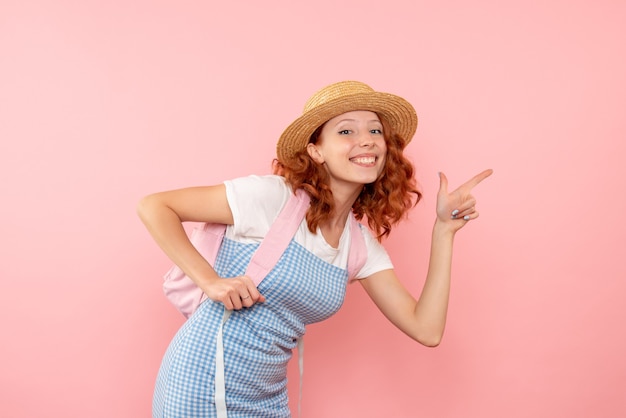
(145,207)
(141,208)
(429,339)
(431,342)
(428,332)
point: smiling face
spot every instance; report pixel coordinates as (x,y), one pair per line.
(352,148)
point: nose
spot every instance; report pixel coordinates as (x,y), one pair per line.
(366,139)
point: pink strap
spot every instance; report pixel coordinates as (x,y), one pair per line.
(278,237)
(358,250)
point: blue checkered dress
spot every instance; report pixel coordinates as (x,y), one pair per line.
(258,341)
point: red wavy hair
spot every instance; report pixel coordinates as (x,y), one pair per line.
(384,203)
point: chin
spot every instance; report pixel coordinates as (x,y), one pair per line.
(369,180)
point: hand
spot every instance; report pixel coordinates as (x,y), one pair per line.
(235,293)
(455,209)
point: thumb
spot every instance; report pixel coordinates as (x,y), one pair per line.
(443,183)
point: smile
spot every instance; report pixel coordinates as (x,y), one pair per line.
(364,160)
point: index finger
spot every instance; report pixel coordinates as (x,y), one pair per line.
(474,181)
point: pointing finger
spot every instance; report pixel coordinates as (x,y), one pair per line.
(474,181)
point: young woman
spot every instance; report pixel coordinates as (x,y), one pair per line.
(346,153)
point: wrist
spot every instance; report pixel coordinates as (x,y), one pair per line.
(203,276)
(444,228)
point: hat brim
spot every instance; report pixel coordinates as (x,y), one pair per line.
(397,111)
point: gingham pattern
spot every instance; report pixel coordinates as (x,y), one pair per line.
(258,341)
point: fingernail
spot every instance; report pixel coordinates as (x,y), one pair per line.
(455,212)
(466,217)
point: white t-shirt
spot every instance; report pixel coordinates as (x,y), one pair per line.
(256,201)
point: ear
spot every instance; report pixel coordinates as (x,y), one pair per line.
(314,153)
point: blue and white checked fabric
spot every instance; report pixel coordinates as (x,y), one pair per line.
(258,341)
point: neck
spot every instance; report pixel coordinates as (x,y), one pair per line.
(344,200)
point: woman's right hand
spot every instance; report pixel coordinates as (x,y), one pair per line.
(163,214)
(234,293)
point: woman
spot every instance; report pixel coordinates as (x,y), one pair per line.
(345,151)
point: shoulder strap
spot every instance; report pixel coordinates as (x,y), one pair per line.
(358,250)
(278,237)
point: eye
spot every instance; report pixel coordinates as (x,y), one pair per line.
(376,131)
(344,132)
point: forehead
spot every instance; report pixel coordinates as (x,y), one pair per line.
(355,116)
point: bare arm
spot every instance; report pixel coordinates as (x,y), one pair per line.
(163,214)
(424,319)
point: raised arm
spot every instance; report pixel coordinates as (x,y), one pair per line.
(424,319)
(163,214)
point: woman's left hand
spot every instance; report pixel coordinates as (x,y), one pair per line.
(456,208)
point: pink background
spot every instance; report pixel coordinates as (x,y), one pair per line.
(103,102)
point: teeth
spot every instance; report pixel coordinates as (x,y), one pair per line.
(364,160)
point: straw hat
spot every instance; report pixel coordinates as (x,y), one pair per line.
(343,97)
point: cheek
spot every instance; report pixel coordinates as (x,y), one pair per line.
(383,145)
(384,158)
(383,164)
(338,149)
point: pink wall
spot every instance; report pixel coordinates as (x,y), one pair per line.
(104,102)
